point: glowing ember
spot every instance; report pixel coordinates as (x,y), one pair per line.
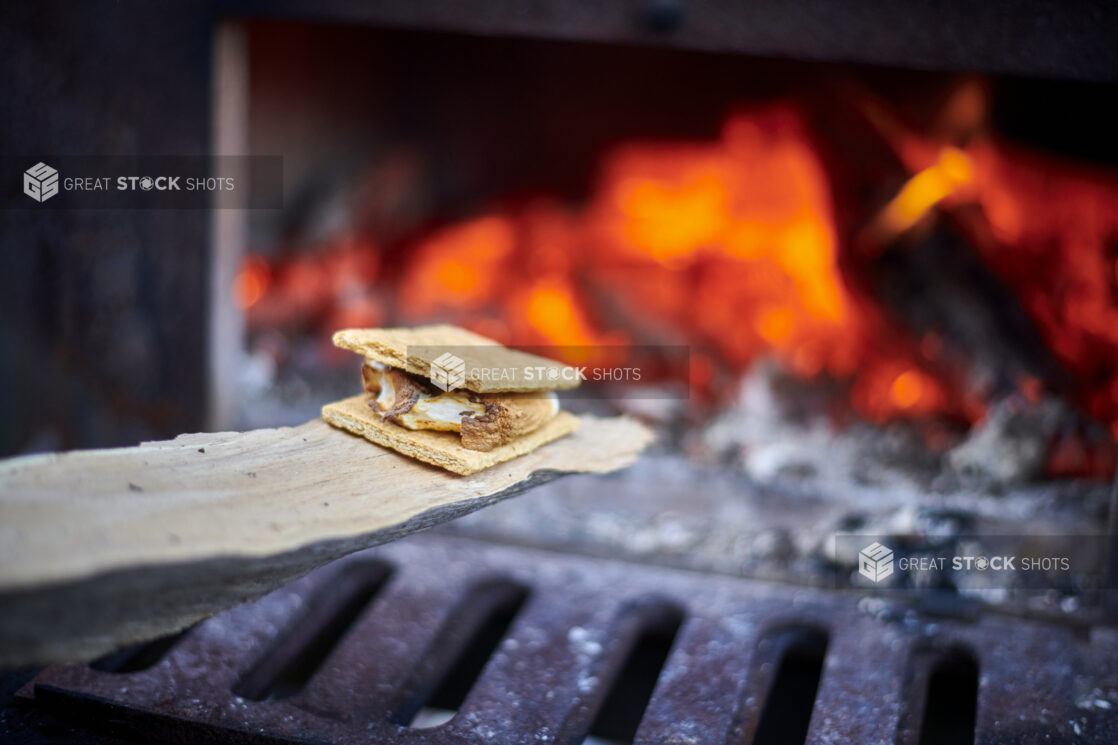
(251,282)
(332,287)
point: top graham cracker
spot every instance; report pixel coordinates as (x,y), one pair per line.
(489,367)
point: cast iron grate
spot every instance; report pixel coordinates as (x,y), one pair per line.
(436,639)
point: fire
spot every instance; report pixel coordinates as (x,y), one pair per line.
(731,247)
(332,287)
(550,308)
(731,244)
(925,190)
(464,263)
(1046,228)
(1051,236)
(728,246)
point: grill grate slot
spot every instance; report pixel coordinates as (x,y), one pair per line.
(786,678)
(950,707)
(138,657)
(624,705)
(941,694)
(295,655)
(615,688)
(459,653)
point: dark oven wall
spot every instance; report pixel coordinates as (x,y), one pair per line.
(102,328)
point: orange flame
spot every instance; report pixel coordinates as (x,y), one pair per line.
(462,265)
(731,247)
(728,246)
(925,190)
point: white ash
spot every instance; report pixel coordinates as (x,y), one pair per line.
(582,641)
(761,492)
(860,463)
(1010,446)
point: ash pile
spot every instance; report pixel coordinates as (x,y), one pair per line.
(762,489)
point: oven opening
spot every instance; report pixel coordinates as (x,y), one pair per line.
(922,261)
(840,284)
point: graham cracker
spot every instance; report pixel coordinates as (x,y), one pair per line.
(443,449)
(414,349)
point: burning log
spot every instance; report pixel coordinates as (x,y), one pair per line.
(1038,237)
(971,324)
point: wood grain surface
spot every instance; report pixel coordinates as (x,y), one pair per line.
(99,548)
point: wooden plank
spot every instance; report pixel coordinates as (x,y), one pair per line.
(103,547)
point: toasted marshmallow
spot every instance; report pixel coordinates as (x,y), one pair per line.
(442,412)
(485,421)
(400,399)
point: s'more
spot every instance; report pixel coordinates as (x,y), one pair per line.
(452,398)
